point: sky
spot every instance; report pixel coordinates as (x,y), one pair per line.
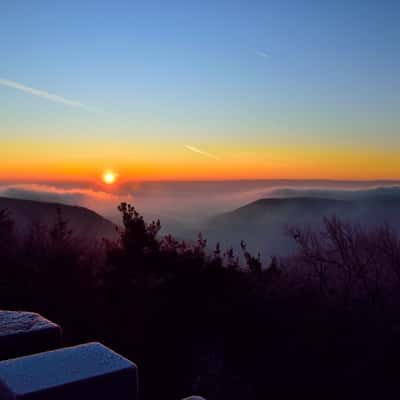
(189,90)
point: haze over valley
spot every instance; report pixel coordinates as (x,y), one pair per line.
(257,212)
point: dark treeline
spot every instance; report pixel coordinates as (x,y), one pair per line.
(324,322)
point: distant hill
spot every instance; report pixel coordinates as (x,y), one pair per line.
(268,210)
(262,223)
(82,221)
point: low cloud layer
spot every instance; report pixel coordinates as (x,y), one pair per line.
(191,202)
(339,194)
(99,201)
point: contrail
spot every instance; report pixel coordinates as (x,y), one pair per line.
(204,153)
(262,54)
(45,95)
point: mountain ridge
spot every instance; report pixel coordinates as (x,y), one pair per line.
(263,223)
(83,221)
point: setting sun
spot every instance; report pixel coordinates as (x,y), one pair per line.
(109,177)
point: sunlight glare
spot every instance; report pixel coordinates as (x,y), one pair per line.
(109,177)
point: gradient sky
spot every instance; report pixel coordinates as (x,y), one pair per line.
(199,90)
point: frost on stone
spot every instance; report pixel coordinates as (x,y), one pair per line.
(89,371)
(23,333)
(194,398)
(18,322)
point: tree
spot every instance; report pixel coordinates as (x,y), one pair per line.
(7,237)
(254,264)
(349,261)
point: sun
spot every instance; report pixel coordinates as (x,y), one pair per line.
(109,177)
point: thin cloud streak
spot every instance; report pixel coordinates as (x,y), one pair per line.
(262,54)
(199,151)
(46,95)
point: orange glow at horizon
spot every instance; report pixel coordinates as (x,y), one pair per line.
(34,162)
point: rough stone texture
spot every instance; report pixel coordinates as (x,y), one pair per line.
(23,333)
(89,371)
(194,398)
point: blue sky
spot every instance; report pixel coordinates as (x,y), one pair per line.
(212,73)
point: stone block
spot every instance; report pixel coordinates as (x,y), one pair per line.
(194,398)
(88,371)
(23,333)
